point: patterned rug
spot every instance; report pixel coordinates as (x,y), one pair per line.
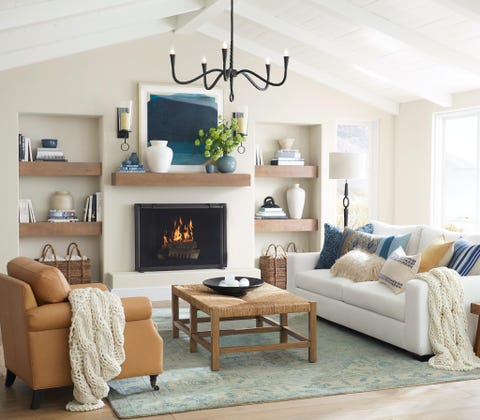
(347,362)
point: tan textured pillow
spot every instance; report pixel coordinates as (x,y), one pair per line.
(358,265)
(437,254)
(48,283)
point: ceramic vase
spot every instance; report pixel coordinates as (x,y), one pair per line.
(226,164)
(61,200)
(295,201)
(159,156)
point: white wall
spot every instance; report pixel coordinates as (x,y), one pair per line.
(93,83)
(413,157)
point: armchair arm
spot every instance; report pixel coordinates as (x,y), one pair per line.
(97,285)
(137,308)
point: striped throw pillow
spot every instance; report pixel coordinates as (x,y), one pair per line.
(465,258)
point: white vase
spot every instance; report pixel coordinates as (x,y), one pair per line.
(295,201)
(159,156)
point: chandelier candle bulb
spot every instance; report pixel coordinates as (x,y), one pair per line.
(172,51)
(285,53)
(204,60)
(267,61)
(224,45)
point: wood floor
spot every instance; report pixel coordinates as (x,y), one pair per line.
(456,400)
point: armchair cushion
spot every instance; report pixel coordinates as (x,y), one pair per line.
(48,283)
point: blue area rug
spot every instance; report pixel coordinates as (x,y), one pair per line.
(347,362)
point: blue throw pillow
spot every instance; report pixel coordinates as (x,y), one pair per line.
(465,257)
(331,244)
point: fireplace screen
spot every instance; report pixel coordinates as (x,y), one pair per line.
(180,236)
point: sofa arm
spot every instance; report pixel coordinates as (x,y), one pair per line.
(298,262)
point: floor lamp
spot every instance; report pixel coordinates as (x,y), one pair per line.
(346,166)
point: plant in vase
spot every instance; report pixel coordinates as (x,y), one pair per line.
(218,142)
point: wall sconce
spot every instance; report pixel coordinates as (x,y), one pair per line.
(124,123)
(242,119)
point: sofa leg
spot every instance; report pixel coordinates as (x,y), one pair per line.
(423,358)
(10,379)
(153,382)
(36,399)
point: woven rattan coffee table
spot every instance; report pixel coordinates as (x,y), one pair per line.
(264,300)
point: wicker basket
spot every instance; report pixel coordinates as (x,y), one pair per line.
(273,265)
(76,271)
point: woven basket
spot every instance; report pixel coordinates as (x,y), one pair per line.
(76,271)
(273,265)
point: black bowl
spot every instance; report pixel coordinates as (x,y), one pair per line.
(232,291)
(50,143)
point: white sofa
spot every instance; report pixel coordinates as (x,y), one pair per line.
(371,307)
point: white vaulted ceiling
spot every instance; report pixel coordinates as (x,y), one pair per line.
(383,52)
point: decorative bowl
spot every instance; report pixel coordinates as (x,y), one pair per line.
(50,143)
(286,143)
(213,284)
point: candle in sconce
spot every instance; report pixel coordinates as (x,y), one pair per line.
(125,121)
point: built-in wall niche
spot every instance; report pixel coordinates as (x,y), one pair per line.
(308,142)
(79,137)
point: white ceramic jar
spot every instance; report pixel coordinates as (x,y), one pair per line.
(295,201)
(159,156)
(61,200)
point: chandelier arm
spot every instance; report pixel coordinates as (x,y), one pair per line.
(215,81)
(244,72)
(252,81)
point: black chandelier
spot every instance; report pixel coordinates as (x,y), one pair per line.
(228,74)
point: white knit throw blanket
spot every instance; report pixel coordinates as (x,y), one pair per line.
(96,345)
(448,331)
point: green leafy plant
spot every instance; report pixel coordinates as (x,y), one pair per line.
(220,140)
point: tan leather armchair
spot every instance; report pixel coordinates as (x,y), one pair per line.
(35,320)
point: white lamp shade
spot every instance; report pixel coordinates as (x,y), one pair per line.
(344,165)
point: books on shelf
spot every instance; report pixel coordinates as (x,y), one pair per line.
(56,216)
(258,154)
(270,213)
(25,211)
(288,154)
(50,153)
(93,209)
(287,161)
(24,149)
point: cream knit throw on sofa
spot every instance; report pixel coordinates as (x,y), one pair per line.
(96,345)
(448,321)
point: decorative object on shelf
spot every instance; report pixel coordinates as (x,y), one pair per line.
(159,156)
(270,210)
(343,165)
(49,143)
(226,164)
(77,268)
(295,201)
(124,123)
(242,121)
(61,200)
(286,143)
(134,159)
(228,74)
(273,264)
(219,142)
(175,114)
(210,168)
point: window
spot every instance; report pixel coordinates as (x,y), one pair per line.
(359,137)
(456,173)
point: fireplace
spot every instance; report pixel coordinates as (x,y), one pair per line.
(180,236)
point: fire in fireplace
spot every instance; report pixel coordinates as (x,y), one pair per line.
(180,236)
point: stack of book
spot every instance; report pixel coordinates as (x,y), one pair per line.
(24,149)
(25,211)
(287,157)
(270,213)
(62,216)
(92,212)
(136,168)
(50,153)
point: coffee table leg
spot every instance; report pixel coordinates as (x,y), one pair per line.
(175,317)
(215,341)
(283,323)
(193,328)
(312,328)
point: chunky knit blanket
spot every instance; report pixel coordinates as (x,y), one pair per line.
(448,321)
(96,345)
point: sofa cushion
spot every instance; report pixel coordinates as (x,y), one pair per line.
(399,269)
(437,254)
(331,244)
(375,296)
(48,283)
(358,265)
(429,234)
(386,229)
(322,282)
(466,258)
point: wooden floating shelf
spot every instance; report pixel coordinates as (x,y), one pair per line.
(60,168)
(286,225)
(286,171)
(60,229)
(181,179)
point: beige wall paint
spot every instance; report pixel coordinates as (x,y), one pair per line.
(93,83)
(413,157)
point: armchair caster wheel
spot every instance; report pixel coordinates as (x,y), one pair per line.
(153,382)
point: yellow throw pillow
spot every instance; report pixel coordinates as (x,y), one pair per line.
(437,254)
